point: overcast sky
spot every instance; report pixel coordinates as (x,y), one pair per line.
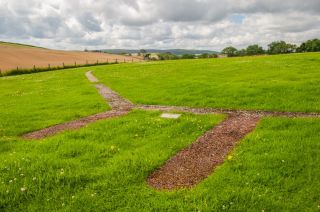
(193,24)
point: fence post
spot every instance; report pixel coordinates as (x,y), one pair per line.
(63,64)
(124,60)
(34,67)
(86,62)
(116,60)
(49,66)
(75,64)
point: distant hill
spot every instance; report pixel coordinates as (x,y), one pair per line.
(172,51)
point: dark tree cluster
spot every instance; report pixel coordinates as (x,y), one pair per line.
(310,46)
(167,56)
(276,47)
(206,55)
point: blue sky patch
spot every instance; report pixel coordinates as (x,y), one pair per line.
(237,18)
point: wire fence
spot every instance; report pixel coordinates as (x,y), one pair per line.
(20,70)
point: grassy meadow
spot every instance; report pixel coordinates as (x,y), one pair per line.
(34,101)
(278,83)
(104,166)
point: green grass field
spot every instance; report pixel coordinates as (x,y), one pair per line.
(35,101)
(283,83)
(104,166)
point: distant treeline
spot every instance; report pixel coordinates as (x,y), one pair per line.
(276,47)
(170,56)
(158,51)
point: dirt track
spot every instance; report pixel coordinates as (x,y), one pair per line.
(73,125)
(12,57)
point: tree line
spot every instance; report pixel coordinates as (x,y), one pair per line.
(276,47)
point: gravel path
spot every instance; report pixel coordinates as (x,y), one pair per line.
(115,101)
(227,111)
(91,77)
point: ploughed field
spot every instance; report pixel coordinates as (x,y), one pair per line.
(105,165)
(26,57)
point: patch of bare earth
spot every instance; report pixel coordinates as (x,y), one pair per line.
(73,125)
(228,111)
(196,162)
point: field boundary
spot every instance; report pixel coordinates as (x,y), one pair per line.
(20,71)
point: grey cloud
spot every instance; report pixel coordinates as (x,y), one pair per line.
(90,23)
(273,6)
(157,23)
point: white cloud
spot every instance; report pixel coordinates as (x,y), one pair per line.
(207,24)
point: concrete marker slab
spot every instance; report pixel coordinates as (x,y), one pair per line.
(170,115)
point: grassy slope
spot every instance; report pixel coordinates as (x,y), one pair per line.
(283,82)
(104,167)
(35,101)
(98,165)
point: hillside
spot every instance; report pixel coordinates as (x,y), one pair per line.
(14,55)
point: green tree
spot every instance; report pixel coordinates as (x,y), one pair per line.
(242,52)
(167,56)
(230,51)
(214,56)
(143,51)
(188,56)
(204,55)
(147,56)
(254,50)
(310,46)
(281,47)
(291,48)
(144,54)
